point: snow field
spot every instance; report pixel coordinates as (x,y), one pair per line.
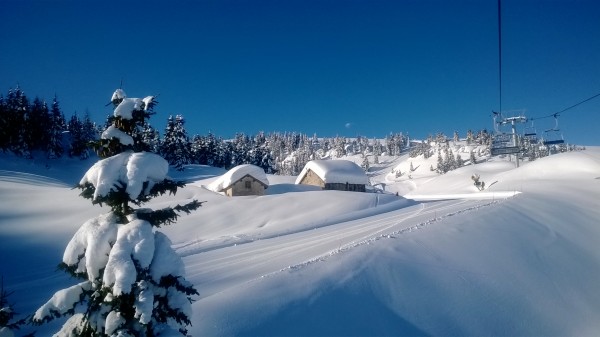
(304,262)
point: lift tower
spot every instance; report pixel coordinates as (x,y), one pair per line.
(505,143)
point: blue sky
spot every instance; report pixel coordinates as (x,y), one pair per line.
(326,67)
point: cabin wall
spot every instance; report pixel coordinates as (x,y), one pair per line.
(345,187)
(311,178)
(246,186)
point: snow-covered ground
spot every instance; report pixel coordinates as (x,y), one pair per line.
(438,258)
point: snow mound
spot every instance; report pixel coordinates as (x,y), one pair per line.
(236,174)
(570,164)
(335,171)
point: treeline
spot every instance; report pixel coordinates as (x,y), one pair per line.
(27,126)
(278,153)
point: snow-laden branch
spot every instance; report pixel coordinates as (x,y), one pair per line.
(62,302)
(134,245)
(114,132)
(96,235)
(126,169)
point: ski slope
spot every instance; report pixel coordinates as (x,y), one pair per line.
(440,258)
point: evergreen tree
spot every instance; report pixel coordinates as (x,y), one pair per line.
(89,134)
(469,137)
(56,126)
(441,167)
(8,324)
(340,146)
(472,158)
(210,145)
(132,281)
(150,139)
(175,147)
(365,163)
(449,162)
(17,108)
(37,132)
(78,143)
(123,129)
(3,124)
(241,148)
(198,148)
(459,161)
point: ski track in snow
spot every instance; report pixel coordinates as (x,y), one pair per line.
(223,268)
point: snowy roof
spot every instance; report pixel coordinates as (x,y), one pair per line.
(335,171)
(236,174)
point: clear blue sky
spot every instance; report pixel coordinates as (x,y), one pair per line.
(325,67)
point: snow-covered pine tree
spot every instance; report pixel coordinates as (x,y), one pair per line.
(459,162)
(131,280)
(365,163)
(440,168)
(150,139)
(176,146)
(472,158)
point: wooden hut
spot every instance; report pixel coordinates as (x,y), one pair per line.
(241,180)
(341,175)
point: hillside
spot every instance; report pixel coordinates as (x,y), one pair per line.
(431,255)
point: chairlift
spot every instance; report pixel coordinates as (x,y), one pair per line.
(503,143)
(530,133)
(553,136)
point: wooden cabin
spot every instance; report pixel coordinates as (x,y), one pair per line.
(341,175)
(242,180)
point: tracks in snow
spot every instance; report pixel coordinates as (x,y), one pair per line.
(220,269)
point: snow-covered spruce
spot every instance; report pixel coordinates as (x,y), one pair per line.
(132,282)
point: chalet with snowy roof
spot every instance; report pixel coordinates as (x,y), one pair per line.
(341,175)
(241,180)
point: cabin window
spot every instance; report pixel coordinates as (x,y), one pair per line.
(248,184)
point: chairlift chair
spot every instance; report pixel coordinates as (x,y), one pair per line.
(530,134)
(553,136)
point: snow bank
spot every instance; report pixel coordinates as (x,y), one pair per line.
(335,171)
